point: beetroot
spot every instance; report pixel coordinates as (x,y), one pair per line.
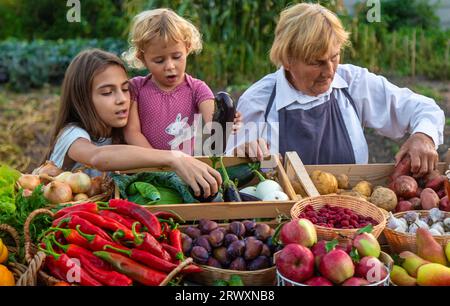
(402,168)
(405,186)
(444,204)
(436,183)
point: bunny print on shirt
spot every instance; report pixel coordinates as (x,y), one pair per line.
(181,131)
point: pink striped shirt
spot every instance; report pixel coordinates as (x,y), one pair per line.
(166,117)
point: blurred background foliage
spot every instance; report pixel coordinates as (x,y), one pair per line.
(37,43)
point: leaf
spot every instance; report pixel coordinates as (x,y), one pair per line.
(146,190)
(397,259)
(220,282)
(235,280)
(354,255)
(366,229)
(330,245)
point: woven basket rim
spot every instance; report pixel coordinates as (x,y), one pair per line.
(239,272)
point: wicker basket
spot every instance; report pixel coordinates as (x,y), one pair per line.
(36,258)
(384,258)
(399,242)
(357,205)
(263,277)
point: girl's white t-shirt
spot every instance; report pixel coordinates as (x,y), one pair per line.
(67,137)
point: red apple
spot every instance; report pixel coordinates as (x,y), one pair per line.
(319,249)
(337,266)
(355,281)
(300,231)
(367,245)
(318,281)
(296,262)
(371,268)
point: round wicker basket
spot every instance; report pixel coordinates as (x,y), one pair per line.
(357,205)
(399,242)
(263,277)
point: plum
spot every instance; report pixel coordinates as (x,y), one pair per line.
(265,251)
(214,263)
(238,264)
(229,238)
(186,243)
(192,232)
(237,228)
(260,262)
(207,226)
(221,255)
(203,241)
(249,227)
(236,249)
(199,255)
(215,238)
(253,248)
(262,231)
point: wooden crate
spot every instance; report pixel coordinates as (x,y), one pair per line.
(232,210)
(377,174)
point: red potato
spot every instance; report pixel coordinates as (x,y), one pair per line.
(405,186)
(404,206)
(436,183)
(403,168)
(441,193)
(429,199)
(416,203)
(444,204)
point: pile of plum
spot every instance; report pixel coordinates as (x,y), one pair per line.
(243,246)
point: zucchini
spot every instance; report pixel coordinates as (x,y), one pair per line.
(242,173)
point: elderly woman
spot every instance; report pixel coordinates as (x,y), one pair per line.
(319,108)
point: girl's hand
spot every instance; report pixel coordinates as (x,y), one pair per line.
(256,150)
(196,174)
(237,123)
(424,157)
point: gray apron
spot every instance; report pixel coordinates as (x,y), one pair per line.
(318,135)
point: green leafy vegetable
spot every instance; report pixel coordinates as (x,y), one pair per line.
(8,178)
(145,190)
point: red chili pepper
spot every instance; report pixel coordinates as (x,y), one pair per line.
(147,242)
(85,226)
(153,261)
(139,213)
(97,268)
(103,223)
(176,256)
(132,269)
(76,251)
(64,267)
(127,221)
(72,236)
(175,239)
(96,243)
(89,207)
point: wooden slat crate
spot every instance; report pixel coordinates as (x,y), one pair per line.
(232,210)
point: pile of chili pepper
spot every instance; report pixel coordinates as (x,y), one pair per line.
(115,243)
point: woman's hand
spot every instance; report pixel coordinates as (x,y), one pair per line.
(424,157)
(196,174)
(257,149)
(237,123)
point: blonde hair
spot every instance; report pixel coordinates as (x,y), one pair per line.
(306,32)
(163,23)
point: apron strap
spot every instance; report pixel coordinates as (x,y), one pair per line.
(352,102)
(271,99)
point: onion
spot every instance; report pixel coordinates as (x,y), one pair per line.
(80,197)
(29,181)
(57,192)
(63,176)
(79,182)
(96,186)
(49,168)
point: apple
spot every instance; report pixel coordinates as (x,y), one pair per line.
(300,231)
(337,266)
(371,268)
(295,262)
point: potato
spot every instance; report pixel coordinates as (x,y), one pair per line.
(364,188)
(343,181)
(405,186)
(384,198)
(436,183)
(416,203)
(325,182)
(429,199)
(352,193)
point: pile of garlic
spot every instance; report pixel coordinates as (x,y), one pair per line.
(435,222)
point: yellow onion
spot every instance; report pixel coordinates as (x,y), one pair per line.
(58,192)
(29,181)
(63,176)
(49,168)
(96,186)
(80,197)
(79,182)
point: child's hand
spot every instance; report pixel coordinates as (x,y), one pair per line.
(237,122)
